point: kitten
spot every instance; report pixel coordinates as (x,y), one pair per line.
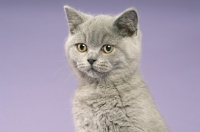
(104,53)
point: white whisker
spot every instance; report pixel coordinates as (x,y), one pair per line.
(57,61)
(61,87)
(58,71)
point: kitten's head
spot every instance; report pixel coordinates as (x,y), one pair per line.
(103,46)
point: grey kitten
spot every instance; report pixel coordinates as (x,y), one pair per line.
(104,52)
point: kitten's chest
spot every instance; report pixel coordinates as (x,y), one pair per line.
(99,98)
(101,108)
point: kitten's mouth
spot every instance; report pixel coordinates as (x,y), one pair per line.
(93,70)
(94,73)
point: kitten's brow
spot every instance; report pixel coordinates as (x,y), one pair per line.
(103,38)
(85,37)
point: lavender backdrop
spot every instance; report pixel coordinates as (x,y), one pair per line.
(37,86)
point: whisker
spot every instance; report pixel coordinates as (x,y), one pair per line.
(61,87)
(58,71)
(57,61)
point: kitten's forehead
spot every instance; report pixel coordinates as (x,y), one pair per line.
(98,30)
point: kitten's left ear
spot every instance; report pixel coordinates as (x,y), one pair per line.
(75,18)
(127,23)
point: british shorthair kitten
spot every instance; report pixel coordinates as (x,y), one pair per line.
(111,96)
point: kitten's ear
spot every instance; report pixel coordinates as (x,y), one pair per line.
(127,23)
(74,17)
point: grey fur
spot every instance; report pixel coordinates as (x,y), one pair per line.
(111,94)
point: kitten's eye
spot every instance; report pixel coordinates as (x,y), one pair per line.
(81,47)
(108,48)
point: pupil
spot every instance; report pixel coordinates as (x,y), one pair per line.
(82,46)
(108,48)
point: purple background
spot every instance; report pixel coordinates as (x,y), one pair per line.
(37,86)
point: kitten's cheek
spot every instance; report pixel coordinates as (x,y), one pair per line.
(73,55)
(82,66)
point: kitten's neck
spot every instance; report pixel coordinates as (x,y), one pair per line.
(123,86)
(132,77)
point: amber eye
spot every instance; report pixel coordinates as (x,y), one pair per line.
(108,48)
(82,47)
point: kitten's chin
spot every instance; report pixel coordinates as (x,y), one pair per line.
(93,73)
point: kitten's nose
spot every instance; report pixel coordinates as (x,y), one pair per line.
(91,61)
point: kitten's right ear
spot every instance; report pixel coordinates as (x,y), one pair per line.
(75,18)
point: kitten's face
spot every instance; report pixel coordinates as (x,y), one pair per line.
(96,50)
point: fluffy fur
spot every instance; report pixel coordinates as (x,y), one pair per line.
(111,95)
